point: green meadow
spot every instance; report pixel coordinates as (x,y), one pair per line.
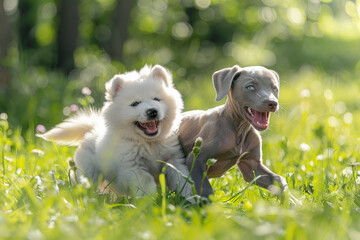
(55,57)
(313,141)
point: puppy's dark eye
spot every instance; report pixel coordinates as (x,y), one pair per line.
(250,87)
(134,104)
(275,89)
(156,99)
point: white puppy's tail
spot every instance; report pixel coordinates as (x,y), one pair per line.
(72,131)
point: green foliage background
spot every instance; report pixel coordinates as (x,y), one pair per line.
(192,38)
(313,141)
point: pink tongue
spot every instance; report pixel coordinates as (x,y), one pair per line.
(260,117)
(150,127)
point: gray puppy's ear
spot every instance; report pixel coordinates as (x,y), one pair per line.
(276,75)
(113,87)
(223,79)
(160,72)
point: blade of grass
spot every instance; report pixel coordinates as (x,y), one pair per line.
(239,194)
(163,195)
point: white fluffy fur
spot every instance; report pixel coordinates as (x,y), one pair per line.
(112,146)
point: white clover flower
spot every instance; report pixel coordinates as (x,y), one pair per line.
(347,171)
(357,180)
(304,147)
(3,116)
(84,181)
(348,118)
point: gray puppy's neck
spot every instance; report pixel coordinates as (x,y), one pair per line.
(235,112)
(233,109)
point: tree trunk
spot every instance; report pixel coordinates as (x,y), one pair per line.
(67,34)
(5,39)
(120,28)
(26,24)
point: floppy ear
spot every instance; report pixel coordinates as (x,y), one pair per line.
(223,79)
(276,75)
(160,72)
(113,87)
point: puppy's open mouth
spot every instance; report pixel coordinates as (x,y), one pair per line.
(260,120)
(149,128)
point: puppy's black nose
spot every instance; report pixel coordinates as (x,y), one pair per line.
(272,104)
(152,113)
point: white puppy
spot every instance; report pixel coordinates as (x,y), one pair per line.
(135,128)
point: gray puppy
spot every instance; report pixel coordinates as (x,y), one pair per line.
(230,132)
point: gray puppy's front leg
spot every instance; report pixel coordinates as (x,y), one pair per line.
(176,175)
(198,174)
(250,168)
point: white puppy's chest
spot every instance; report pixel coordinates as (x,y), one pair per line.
(117,155)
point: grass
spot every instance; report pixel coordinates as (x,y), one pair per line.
(314,142)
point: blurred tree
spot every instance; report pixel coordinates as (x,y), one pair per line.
(67,34)
(89,40)
(120,28)
(5,40)
(26,23)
